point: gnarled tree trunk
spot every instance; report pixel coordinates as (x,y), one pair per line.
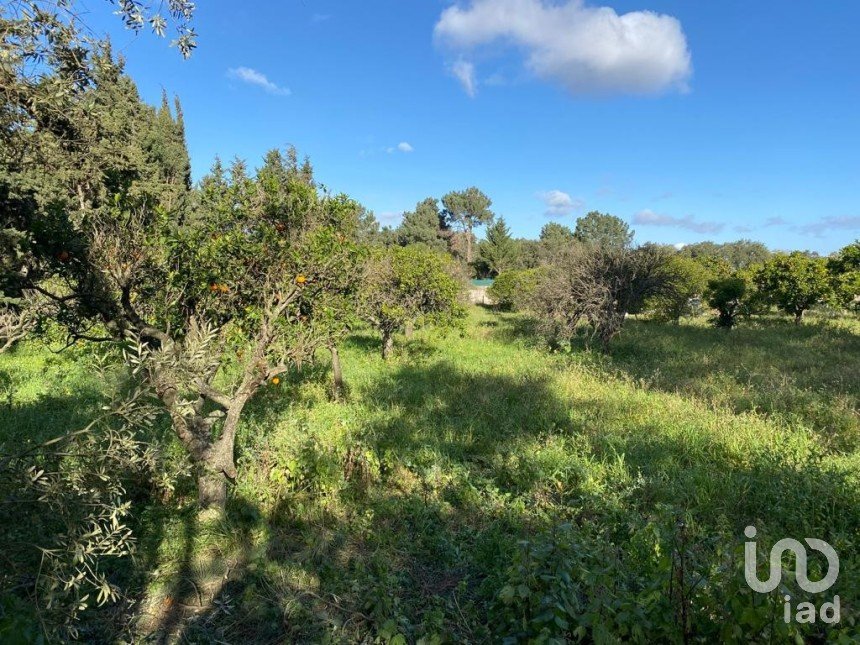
(387,344)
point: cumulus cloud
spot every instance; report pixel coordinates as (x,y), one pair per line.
(464,72)
(825,224)
(587,50)
(558,203)
(650,218)
(253,77)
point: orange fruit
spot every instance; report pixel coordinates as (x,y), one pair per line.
(300,279)
(275,380)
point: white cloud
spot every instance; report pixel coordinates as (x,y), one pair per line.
(648,217)
(679,245)
(464,72)
(588,50)
(403,146)
(558,203)
(253,77)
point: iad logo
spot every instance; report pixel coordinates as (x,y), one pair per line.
(806,611)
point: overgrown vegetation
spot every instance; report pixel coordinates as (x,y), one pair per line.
(479,476)
(242,465)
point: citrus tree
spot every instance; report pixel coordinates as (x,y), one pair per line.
(401,285)
(253,286)
(513,290)
(726,296)
(237,282)
(688,280)
(844,269)
(794,282)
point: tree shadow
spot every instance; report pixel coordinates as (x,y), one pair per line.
(773,367)
(469,463)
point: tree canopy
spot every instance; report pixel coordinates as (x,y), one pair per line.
(603,230)
(465,210)
(499,251)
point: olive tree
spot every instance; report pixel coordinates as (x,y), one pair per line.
(401,285)
(597,287)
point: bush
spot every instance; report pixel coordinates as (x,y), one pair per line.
(725,295)
(512,290)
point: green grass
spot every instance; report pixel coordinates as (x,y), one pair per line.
(478,480)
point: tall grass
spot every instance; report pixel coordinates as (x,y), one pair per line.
(479,487)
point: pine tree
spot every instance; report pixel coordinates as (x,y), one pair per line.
(467,209)
(500,251)
(421,226)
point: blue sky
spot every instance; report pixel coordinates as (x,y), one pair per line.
(690,120)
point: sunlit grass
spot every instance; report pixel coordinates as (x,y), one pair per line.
(400,511)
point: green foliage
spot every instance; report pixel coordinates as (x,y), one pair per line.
(844,268)
(555,232)
(409,284)
(688,280)
(733,255)
(421,226)
(400,513)
(603,230)
(794,282)
(65,508)
(513,290)
(726,296)
(466,209)
(499,251)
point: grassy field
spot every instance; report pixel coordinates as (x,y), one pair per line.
(479,487)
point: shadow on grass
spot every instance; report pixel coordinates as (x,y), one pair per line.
(471,463)
(807,375)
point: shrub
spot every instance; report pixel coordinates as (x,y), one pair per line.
(401,285)
(512,290)
(598,286)
(725,295)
